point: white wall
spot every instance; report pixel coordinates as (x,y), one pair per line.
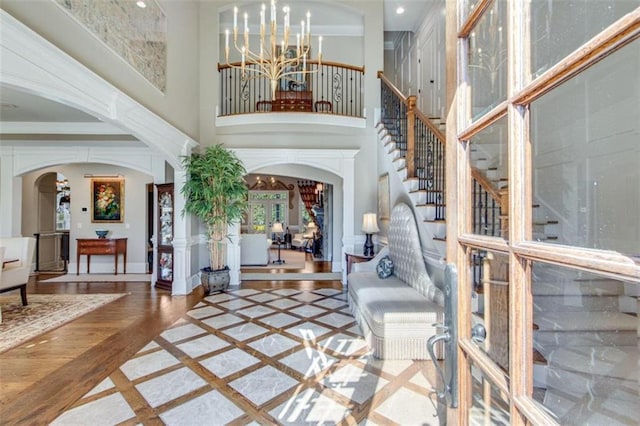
(135,216)
(177,105)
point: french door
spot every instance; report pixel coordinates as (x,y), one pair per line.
(543,205)
(267,208)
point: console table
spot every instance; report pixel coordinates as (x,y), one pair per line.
(355,256)
(102,246)
(292,101)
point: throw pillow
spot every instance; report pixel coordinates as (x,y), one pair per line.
(384,268)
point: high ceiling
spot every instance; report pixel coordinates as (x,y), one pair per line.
(25,116)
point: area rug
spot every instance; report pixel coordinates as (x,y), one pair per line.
(82,278)
(292,260)
(311,276)
(44,313)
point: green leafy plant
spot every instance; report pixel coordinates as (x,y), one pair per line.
(215,192)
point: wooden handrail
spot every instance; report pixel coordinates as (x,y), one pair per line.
(393,88)
(309,62)
(427,121)
(486,184)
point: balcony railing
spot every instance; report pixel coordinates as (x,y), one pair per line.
(332,88)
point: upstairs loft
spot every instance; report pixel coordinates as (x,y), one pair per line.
(329,93)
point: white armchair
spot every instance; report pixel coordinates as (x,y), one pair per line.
(18,255)
(254,249)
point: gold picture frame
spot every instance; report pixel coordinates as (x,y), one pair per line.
(384,208)
(107,200)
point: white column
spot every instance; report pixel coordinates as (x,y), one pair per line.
(348,207)
(233,254)
(181,245)
(10,197)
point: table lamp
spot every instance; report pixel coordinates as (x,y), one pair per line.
(369,227)
(278,230)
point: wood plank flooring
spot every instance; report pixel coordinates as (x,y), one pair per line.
(40,382)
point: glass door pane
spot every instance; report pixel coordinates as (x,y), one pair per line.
(587,333)
(489,175)
(257,218)
(489,406)
(487,66)
(586,157)
(490,302)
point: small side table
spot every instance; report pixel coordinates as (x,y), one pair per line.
(355,257)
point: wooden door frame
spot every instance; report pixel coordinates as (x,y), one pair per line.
(520,248)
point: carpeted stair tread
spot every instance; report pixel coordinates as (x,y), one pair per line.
(544,303)
(553,338)
(598,361)
(585,321)
(609,410)
(577,288)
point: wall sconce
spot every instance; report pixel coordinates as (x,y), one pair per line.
(369,227)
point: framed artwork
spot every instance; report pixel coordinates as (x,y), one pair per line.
(293,82)
(384,209)
(107,200)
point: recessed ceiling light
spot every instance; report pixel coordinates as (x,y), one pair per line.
(399,10)
(141,4)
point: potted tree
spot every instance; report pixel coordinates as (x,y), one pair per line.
(215,192)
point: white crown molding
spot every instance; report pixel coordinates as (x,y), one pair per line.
(57,128)
(26,158)
(34,65)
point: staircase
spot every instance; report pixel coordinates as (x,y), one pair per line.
(587,327)
(588,333)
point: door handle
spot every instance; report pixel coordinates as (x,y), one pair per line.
(449,336)
(478,333)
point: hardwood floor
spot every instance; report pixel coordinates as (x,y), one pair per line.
(37,383)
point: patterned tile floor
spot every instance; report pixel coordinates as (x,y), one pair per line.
(248,356)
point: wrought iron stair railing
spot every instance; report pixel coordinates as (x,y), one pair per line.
(331,88)
(419,142)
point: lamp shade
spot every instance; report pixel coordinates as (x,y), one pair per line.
(369,223)
(311,225)
(277,227)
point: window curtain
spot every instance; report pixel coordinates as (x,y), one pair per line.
(308,195)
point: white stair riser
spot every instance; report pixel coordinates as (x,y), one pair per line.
(418,197)
(428,211)
(437,229)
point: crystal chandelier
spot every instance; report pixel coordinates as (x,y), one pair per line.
(269,62)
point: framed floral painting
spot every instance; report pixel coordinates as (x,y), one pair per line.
(107,200)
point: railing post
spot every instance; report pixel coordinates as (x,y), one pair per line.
(504,212)
(411,136)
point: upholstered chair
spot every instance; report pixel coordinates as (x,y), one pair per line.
(16,261)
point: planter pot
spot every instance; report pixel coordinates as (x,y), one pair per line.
(214,281)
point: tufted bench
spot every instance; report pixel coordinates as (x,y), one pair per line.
(397,314)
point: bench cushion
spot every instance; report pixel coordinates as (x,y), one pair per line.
(392,308)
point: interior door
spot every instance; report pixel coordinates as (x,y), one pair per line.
(548,280)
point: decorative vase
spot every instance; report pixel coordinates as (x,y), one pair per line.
(215,281)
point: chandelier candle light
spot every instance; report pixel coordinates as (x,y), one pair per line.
(268,62)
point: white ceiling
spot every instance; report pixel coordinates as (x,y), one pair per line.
(25,114)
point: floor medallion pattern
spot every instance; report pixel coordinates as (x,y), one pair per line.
(248,356)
